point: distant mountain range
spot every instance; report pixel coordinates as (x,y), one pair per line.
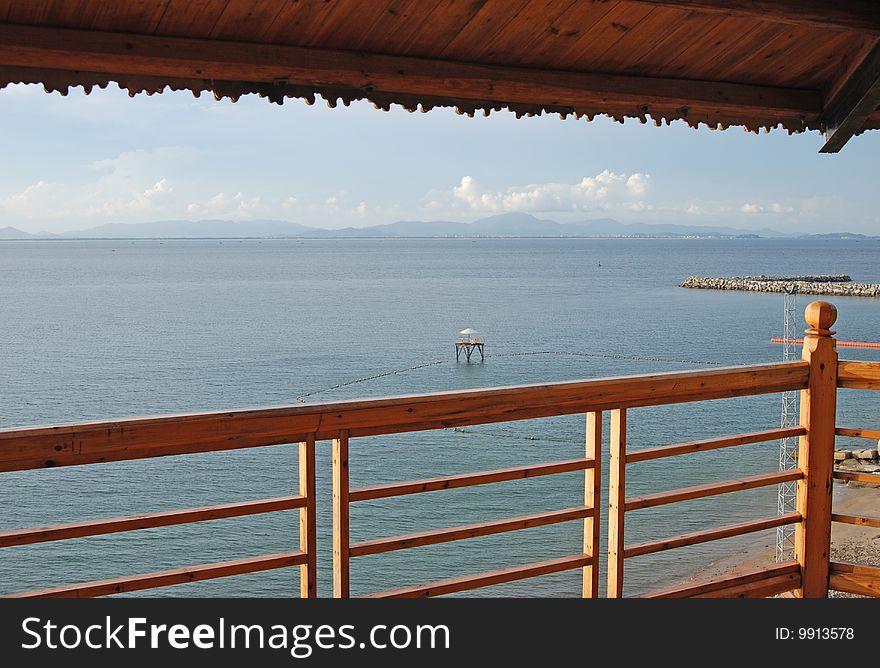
(503,225)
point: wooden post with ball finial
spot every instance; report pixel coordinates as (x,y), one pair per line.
(816,451)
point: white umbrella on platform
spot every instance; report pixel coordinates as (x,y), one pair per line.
(468,331)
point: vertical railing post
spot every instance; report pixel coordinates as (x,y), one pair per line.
(341,554)
(308,576)
(616,502)
(592,499)
(816,451)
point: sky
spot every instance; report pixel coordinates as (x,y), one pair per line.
(79,161)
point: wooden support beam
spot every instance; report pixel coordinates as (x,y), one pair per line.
(858,579)
(616,503)
(486,579)
(851,476)
(708,535)
(341,508)
(858,375)
(857,99)
(857,520)
(855,15)
(468,479)
(463,532)
(166,578)
(308,544)
(217,60)
(711,489)
(711,444)
(754,582)
(816,452)
(870,434)
(592,499)
(165,518)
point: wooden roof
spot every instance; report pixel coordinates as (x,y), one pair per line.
(798,64)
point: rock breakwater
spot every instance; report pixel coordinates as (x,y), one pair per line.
(839,285)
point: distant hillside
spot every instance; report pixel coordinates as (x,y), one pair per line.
(179,229)
(14,233)
(526,225)
(502,225)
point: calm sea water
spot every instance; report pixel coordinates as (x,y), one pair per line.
(105,329)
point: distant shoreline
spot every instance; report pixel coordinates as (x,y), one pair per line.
(817,238)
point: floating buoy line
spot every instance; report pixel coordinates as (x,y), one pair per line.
(626,358)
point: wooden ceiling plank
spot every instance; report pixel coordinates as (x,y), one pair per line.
(136,17)
(29,11)
(857,101)
(638,41)
(495,38)
(534,25)
(574,23)
(340,24)
(435,35)
(848,60)
(850,15)
(393,15)
(299,22)
(768,58)
(606,33)
(688,32)
(737,41)
(829,61)
(246,20)
(73,13)
(155,56)
(484,27)
(192,18)
(395,28)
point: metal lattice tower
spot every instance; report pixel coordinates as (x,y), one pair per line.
(788,447)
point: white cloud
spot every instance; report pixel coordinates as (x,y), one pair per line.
(750,208)
(130,187)
(226,207)
(605,191)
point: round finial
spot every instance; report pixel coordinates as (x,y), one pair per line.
(820,316)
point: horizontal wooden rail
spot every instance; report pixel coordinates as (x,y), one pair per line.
(171,577)
(708,535)
(712,444)
(711,489)
(487,578)
(468,479)
(858,520)
(467,531)
(855,578)
(871,434)
(858,375)
(149,521)
(756,583)
(68,445)
(870,478)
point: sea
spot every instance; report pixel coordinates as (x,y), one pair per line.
(105,329)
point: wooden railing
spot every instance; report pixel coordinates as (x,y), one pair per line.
(305,558)
(587,560)
(764,583)
(344,422)
(862,579)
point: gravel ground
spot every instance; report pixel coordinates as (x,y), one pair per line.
(861,552)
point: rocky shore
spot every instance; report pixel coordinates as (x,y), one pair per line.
(839,285)
(862,460)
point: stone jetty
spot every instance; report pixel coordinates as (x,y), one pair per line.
(838,285)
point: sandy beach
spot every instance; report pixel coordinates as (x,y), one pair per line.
(848,542)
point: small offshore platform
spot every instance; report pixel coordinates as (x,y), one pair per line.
(468,342)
